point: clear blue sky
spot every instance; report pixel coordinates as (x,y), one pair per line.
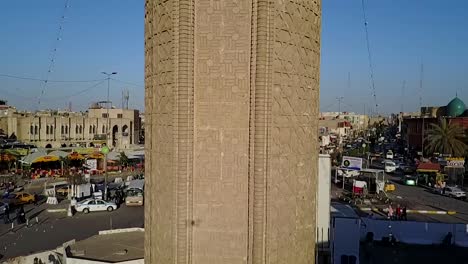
(107,35)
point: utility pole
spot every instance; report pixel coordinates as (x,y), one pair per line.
(106,149)
(402,96)
(339,103)
(420,108)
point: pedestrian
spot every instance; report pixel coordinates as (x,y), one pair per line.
(403,214)
(116,198)
(6,214)
(390,212)
(398,212)
(36,198)
(20,216)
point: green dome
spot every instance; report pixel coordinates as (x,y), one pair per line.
(456,107)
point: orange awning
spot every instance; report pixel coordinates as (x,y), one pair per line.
(7,157)
(96,155)
(46,159)
(75,156)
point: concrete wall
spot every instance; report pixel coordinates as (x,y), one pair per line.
(85,261)
(231,126)
(345,233)
(419,233)
(41,256)
(323,198)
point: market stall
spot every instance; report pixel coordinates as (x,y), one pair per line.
(40,164)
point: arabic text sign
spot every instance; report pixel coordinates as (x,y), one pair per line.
(455,162)
(353,163)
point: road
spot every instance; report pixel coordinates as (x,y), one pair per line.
(54,229)
(419,198)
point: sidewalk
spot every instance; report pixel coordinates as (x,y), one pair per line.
(61,207)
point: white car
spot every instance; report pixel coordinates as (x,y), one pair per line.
(389,166)
(2,207)
(95,205)
(389,155)
(455,192)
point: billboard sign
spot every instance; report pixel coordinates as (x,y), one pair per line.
(455,162)
(352,163)
(91,164)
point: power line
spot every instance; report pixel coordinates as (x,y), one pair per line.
(77,93)
(54,51)
(49,81)
(58,97)
(339,103)
(327,107)
(129,83)
(371,68)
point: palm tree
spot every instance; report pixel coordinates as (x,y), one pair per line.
(123,159)
(446,139)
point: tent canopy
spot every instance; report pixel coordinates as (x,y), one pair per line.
(59,153)
(39,156)
(113,155)
(75,156)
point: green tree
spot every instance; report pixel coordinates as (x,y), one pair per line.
(123,159)
(446,138)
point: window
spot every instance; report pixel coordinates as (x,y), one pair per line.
(47,130)
(51,130)
(31,129)
(76,129)
(36,130)
(103,129)
(90,129)
(94,129)
(119,115)
(81,129)
(101,202)
(92,202)
(104,115)
(66,129)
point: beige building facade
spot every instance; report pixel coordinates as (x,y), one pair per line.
(54,129)
(231,113)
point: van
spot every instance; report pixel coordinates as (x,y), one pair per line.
(389,155)
(135,193)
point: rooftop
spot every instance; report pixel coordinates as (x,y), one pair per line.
(111,247)
(342,210)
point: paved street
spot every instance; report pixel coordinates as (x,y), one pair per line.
(56,228)
(419,198)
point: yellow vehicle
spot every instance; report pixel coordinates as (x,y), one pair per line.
(389,187)
(24,197)
(62,191)
(20,198)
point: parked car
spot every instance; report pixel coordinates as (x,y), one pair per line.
(19,198)
(2,207)
(455,192)
(406,169)
(95,205)
(410,180)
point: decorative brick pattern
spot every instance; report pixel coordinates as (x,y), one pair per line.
(232,92)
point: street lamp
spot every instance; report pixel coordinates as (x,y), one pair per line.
(108,100)
(106,149)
